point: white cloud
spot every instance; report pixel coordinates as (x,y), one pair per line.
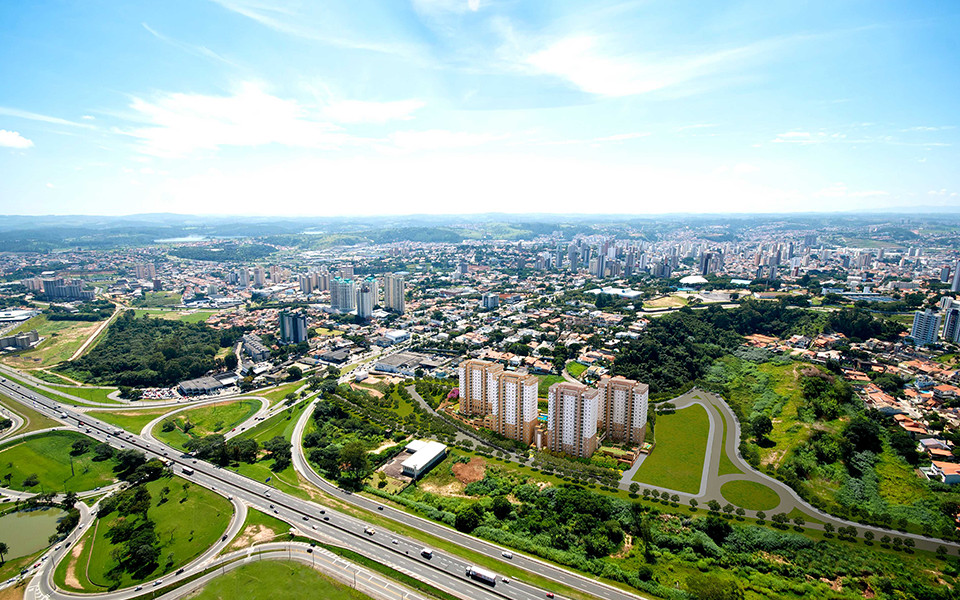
(194,49)
(13,139)
(928,128)
(179,124)
(32,116)
(360,111)
(452,6)
(88,118)
(439,139)
(596,68)
(50,185)
(840,190)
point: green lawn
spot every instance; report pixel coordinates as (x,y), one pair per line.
(257,523)
(182,535)
(34,419)
(210,419)
(750,495)
(281,424)
(130,420)
(47,455)
(545,382)
(275,580)
(193,316)
(160,299)
(280,392)
(285,481)
(576,369)
(88,393)
(677,461)
(726,465)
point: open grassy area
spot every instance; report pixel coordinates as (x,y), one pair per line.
(187,316)
(286,480)
(160,299)
(281,424)
(130,420)
(47,455)
(750,495)
(280,392)
(677,461)
(726,466)
(666,302)
(50,377)
(35,420)
(63,339)
(576,369)
(545,382)
(275,580)
(258,528)
(93,394)
(182,535)
(213,418)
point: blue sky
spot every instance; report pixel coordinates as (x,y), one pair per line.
(314,107)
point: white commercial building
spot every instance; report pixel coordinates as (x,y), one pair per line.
(425,454)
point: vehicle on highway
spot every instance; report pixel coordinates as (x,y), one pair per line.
(426,553)
(188,470)
(506,554)
(369,531)
(483,575)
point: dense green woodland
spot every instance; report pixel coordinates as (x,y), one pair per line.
(679,348)
(152,352)
(224,252)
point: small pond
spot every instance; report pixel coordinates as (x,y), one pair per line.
(27,531)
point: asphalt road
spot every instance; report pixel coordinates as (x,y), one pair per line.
(311,520)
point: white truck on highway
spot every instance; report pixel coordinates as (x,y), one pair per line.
(188,470)
(482,575)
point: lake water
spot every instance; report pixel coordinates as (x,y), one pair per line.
(27,531)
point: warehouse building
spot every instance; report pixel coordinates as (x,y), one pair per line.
(425,454)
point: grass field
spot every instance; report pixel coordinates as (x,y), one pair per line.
(187,316)
(666,302)
(93,394)
(280,392)
(677,461)
(275,580)
(34,419)
(160,299)
(47,455)
(213,418)
(63,339)
(726,465)
(258,528)
(545,382)
(130,420)
(182,535)
(576,369)
(50,377)
(750,495)
(281,424)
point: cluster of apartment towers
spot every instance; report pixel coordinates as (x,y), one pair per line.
(576,413)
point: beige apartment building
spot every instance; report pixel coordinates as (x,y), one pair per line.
(506,399)
(572,417)
(623,409)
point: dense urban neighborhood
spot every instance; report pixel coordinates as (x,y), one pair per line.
(688,409)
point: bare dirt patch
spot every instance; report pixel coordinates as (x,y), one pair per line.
(13,592)
(627,547)
(471,471)
(251,535)
(71,577)
(454,488)
(370,390)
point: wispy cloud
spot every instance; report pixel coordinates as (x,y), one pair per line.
(361,111)
(13,139)
(32,116)
(315,21)
(927,128)
(189,48)
(178,124)
(594,65)
(440,139)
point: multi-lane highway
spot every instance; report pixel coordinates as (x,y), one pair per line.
(312,520)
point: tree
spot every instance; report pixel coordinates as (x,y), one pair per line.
(294,373)
(713,505)
(468,517)
(69,499)
(868,535)
(708,587)
(761,426)
(230,361)
(354,463)
(885,540)
(761,516)
(3,550)
(799,521)
(828,528)
(646,492)
(280,451)
(728,508)
(780,518)
(675,498)
(909,543)
(741,512)
(634,488)
(693,503)
(941,552)
(501,507)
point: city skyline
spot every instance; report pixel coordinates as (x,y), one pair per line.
(445,107)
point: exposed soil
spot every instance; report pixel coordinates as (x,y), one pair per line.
(71,577)
(471,471)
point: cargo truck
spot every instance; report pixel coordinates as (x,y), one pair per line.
(482,575)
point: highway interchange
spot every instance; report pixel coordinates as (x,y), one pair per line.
(442,570)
